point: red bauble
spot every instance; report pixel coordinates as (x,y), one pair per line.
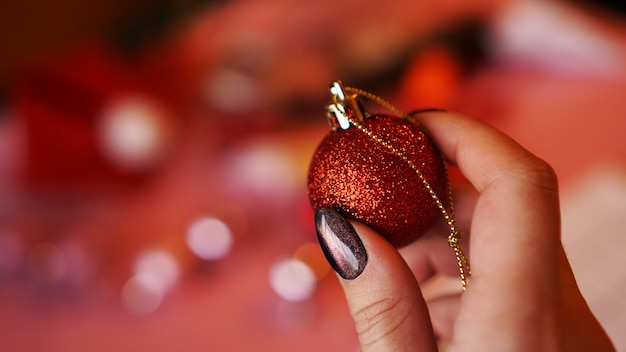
(357,175)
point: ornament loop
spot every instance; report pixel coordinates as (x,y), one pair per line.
(345,107)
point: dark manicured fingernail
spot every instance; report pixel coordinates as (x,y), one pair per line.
(341,245)
(419,111)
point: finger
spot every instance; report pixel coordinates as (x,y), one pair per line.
(443,312)
(431,254)
(521,285)
(384,298)
(518,210)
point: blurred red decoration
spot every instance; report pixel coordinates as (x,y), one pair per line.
(433,79)
(62,103)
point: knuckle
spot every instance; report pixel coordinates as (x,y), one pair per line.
(381,319)
(535,172)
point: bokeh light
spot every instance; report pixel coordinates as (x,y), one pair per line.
(157,271)
(138,299)
(131,133)
(209,238)
(233,92)
(263,169)
(292,280)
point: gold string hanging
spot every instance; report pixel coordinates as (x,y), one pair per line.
(454,239)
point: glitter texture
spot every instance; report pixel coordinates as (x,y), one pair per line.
(365,181)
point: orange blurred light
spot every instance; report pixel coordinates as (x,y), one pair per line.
(432,79)
(311,254)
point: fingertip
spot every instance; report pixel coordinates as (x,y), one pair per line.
(482,152)
(385,300)
(518,209)
(448,129)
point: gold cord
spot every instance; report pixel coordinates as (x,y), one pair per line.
(454,239)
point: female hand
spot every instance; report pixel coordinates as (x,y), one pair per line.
(522,294)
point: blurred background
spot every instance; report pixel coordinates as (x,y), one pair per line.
(153,155)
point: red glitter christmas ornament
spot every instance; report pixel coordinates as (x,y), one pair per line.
(381,170)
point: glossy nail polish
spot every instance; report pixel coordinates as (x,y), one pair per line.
(419,111)
(341,245)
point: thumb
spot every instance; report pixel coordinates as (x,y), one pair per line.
(384,298)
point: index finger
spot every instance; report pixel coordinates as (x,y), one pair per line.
(516,223)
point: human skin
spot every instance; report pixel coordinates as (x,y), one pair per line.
(522,295)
